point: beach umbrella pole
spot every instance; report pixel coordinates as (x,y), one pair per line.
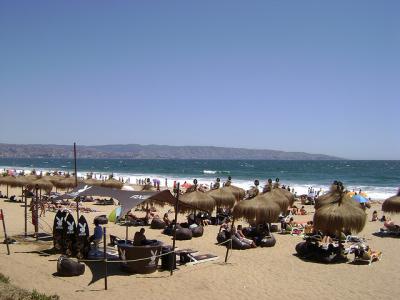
(105,259)
(5,231)
(35,212)
(76,183)
(174,232)
(26,213)
(227,248)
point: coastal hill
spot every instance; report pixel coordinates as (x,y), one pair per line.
(135,151)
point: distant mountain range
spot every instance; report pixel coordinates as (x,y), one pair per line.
(134,151)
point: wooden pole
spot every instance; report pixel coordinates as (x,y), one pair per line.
(126,231)
(76,184)
(174,231)
(228,247)
(5,231)
(26,213)
(36,212)
(105,259)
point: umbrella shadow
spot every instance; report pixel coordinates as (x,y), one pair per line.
(98,270)
(386,235)
(45,252)
(318,260)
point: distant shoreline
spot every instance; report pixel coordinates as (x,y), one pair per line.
(135,151)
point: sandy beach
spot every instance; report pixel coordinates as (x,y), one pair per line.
(256,273)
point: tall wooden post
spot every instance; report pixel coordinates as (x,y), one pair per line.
(105,259)
(36,212)
(174,232)
(26,212)
(228,247)
(76,184)
(5,231)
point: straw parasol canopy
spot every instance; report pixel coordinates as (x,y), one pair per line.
(338,212)
(43,184)
(277,197)
(258,209)
(286,194)
(339,216)
(223,197)
(392,204)
(9,181)
(199,200)
(94,182)
(112,183)
(238,192)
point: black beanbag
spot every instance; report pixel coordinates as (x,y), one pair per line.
(268,241)
(157,224)
(197,231)
(238,245)
(221,237)
(102,219)
(68,267)
(183,234)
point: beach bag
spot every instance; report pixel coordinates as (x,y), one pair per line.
(68,267)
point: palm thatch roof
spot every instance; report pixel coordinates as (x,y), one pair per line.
(112,183)
(9,181)
(94,182)
(279,198)
(223,197)
(337,212)
(42,184)
(286,194)
(338,217)
(259,210)
(392,204)
(238,192)
(198,200)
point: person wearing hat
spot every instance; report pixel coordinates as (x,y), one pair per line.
(98,233)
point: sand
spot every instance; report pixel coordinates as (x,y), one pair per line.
(256,273)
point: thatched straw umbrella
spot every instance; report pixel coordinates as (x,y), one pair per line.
(223,198)
(277,197)
(42,184)
(338,217)
(238,192)
(199,200)
(9,181)
(286,194)
(392,204)
(338,213)
(258,210)
(112,183)
(94,182)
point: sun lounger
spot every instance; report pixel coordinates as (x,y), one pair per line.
(191,257)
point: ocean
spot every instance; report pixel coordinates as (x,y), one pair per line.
(379,179)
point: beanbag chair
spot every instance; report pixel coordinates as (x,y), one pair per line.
(238,245)
(157,224)
(197,231)
(221,237)
(268,241)
(183,234)
(68,267)
(102,219)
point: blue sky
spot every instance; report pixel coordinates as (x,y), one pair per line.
(313,76)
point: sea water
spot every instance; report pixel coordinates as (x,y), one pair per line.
(379,179)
